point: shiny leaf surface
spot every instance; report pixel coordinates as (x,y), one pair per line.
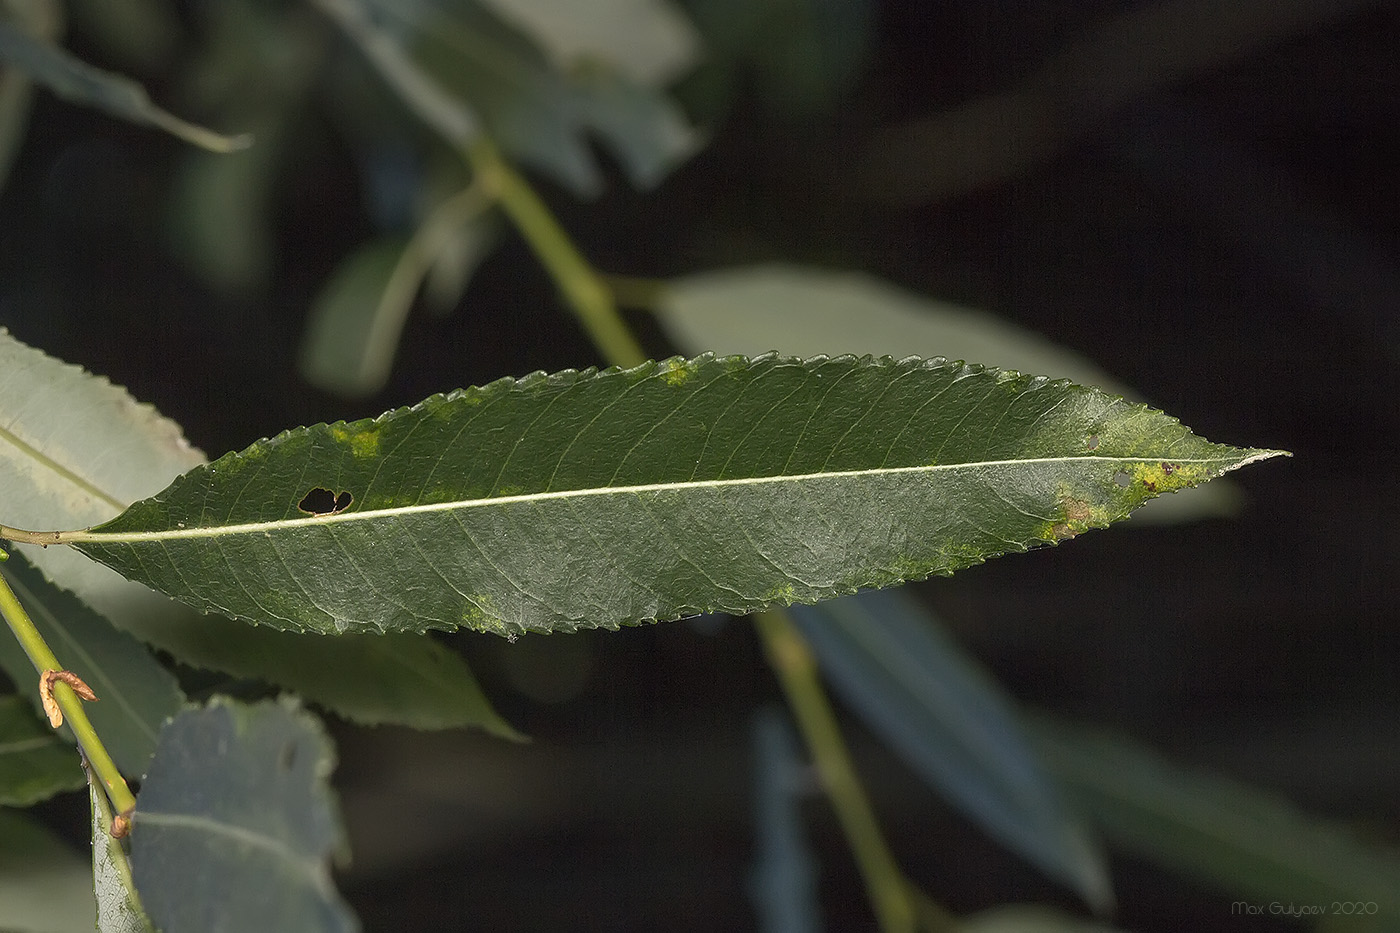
(588,499)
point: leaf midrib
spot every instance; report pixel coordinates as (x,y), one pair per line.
(306,865)
(217,531)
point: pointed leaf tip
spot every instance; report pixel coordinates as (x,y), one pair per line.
(599,499)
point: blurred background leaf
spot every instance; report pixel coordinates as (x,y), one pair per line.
(45,886)
(784,879)
(950,722)
(537,112)
(78,82)
(236,824)
(35,764)
(1241,840)
(43,21)
(359,315)
(651,42)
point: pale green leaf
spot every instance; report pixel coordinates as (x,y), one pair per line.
(591,499)
(649,41)
(135,694)
(1241,840)
(75,450)
(949,720)
(236,823)
(35,764)
(118,906)
(78,82)
(805,311)
(45,886)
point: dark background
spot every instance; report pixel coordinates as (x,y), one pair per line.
(1222,238)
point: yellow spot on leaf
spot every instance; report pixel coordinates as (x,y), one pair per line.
(676,371)
(363,443)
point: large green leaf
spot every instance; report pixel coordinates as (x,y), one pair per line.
(135,693)
(1241,840)
(45,887)
(588,499)
(35,764)
(75,450)
(949,720)
(236,823)
(804,311)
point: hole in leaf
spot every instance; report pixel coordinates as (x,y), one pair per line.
(1093,442)
(1122,479)
(321,501)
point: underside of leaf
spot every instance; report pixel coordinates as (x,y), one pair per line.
(598,499)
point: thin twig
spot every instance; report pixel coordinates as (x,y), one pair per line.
(42,657)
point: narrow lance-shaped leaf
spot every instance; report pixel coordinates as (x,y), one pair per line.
(588,499)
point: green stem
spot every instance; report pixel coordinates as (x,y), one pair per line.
(585,291)
(73,713)
(630,291)
(792,660)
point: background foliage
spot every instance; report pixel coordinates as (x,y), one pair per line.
(1209,222)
